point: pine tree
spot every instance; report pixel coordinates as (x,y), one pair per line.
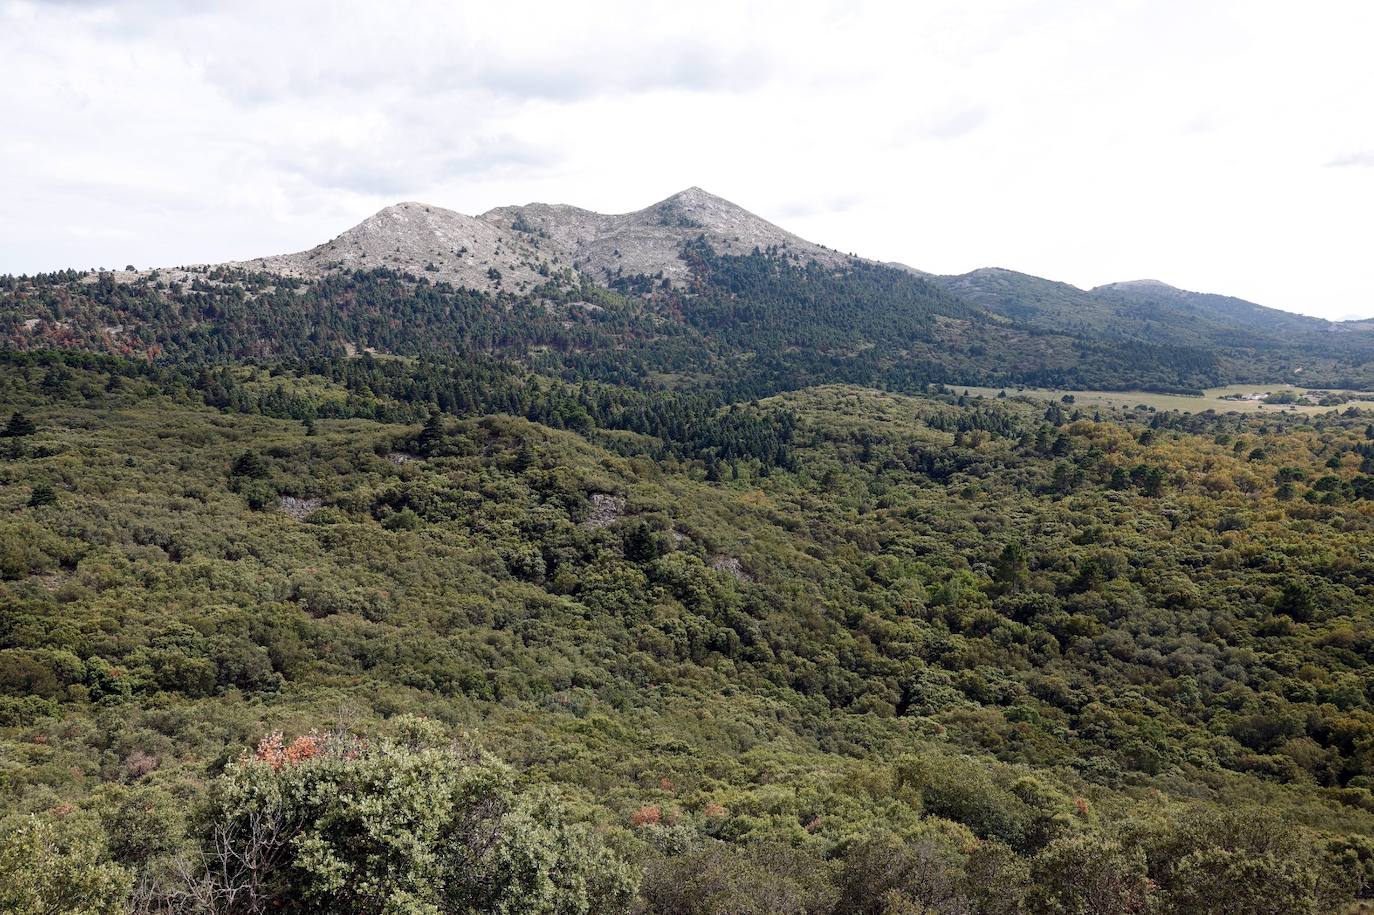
(249,464)
(42,494)
(525,458)
(432,435)
(19,425)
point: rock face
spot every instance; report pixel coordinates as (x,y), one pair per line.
(427,241)
(650,240)
(516,248)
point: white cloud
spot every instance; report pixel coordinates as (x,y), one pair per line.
(1084,140)
(1362,159)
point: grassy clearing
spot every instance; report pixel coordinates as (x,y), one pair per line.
(1213,399)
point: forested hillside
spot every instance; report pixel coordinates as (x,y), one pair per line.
(749,325)
(440,635)
(692,292)
(555,563)
(1250,342)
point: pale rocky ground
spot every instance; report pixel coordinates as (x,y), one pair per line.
(426,241)
(650,240)
(606,508)
(731,566)
(529,245)
(298,508)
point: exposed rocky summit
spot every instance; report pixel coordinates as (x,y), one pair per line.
(516,248)
(649,241)
(425,240)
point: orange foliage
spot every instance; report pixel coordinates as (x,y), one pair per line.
(273,750)
(646,816)
(307,746)
(714,810)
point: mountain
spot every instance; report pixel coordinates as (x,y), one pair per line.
(691,291)
(506,248)
(659,564)
(649,241)
(1142,310)
(517,248)
(419,237)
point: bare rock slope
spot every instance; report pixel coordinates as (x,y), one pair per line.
(649,241)
(516,248)
(425,240)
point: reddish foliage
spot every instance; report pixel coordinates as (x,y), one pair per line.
(1082,806)
(646,816)
(271,751)
(812,824)
(666,784)
(274,750)
(713,810)
(61,811)
(307,746)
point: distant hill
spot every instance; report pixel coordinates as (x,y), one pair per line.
(1151,297)
(1147,310)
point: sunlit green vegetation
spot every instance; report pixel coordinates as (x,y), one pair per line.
(469,640)
(1257,399)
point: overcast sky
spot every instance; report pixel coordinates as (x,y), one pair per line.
(1220,146)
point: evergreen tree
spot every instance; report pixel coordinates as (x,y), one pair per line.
(19,425)
(525,458)
(42,494)
(249,464)
(431,436)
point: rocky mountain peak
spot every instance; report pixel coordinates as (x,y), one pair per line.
(423,239)
(514,248)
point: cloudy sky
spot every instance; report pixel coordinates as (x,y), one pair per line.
(1220,145)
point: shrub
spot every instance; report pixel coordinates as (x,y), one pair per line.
(338,824)
(52,869)
(755,880)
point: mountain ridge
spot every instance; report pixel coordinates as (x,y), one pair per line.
(648,241)
(690,290)
(517,247)
(1132,308)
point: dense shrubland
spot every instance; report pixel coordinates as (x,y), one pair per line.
(937,654)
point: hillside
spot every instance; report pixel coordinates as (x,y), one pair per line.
(1254,343)
(650,241)
(693,292)
(417,237)
(650,565)
(975,654)
(1226,312)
